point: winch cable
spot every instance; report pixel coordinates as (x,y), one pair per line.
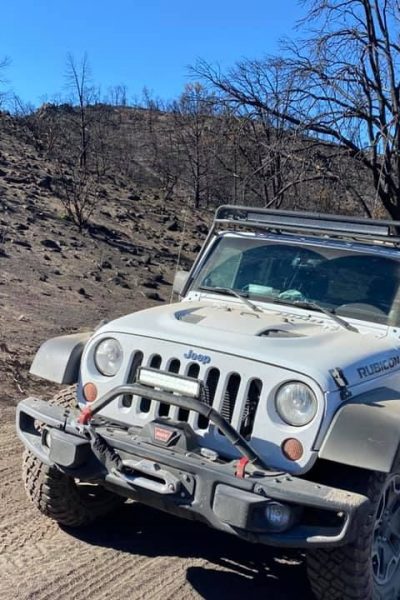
(103,451)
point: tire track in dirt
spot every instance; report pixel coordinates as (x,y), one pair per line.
(136,554)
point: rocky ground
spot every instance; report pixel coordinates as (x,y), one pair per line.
(54,280)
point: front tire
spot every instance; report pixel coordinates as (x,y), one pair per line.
(369,567)
(59,496)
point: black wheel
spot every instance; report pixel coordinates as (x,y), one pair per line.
(60,497)
(369,567)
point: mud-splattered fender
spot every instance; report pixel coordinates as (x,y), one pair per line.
(365,432)
(58,359)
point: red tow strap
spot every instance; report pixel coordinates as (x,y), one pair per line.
(241,467)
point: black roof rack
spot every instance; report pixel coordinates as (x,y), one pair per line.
(342,227)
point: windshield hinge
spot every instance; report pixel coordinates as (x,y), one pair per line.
(342,383)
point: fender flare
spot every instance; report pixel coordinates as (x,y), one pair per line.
(365,432)
(59,358)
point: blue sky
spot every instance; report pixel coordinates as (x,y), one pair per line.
(135,42)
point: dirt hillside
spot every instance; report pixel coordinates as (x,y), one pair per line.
(54,280)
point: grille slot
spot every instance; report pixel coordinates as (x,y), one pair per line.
(250,408)
(192,371)
(230,395)
(155,362)
(210,387)
(173,367)
(136,363)
(145,403)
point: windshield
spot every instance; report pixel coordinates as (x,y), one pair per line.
(350,283)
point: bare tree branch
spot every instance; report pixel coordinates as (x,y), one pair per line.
(341,85)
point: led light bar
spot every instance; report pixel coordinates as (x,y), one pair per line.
(320,223)
(346,227)
(169,382)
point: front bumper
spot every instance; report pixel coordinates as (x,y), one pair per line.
(182,481)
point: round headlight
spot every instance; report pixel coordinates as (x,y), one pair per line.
(296,403)
(108,357)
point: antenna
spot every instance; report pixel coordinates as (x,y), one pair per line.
(178,262)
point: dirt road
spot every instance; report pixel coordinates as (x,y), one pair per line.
(136,554)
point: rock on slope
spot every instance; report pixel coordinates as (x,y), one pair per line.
(54,279)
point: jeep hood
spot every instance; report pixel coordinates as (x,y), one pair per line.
(304,343)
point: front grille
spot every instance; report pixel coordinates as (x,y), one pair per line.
(234,395)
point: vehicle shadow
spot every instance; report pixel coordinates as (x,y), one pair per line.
(234,569)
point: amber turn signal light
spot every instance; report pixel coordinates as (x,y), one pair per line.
(90,392)
(292,449)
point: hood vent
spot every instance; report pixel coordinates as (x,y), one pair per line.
(279,333)
(188,316)
(228,319)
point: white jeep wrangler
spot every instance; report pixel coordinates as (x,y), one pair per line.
(266,403)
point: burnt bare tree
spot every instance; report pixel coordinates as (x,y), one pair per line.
(161,145)
(78,79)
(80,152)
(117,95)
(192,114)
(4,63)
(340,86)
(78,192)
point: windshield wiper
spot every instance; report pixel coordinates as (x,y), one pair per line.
(230,292)
(299,303)
(315,306)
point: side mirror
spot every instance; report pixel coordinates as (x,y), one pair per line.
(180,280)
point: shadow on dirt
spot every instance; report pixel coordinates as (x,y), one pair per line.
(235,569)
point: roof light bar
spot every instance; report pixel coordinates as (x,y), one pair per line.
(169,382)
(346,227)
(320,223)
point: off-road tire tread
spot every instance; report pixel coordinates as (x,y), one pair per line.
(55,494)
(344,573)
